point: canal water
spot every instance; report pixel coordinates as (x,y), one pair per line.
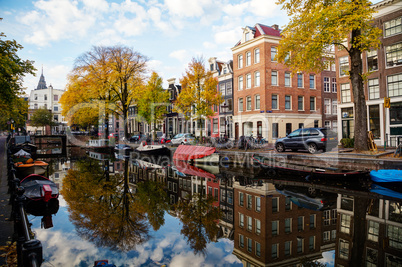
(152,211)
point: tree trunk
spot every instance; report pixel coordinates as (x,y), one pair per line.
(359,99)
(125,112)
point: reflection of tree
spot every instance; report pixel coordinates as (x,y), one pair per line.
(199,220)
(154,200)
(104,212)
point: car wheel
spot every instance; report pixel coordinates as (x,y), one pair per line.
(311,192)
(280,147)
(312,148)
(182,143)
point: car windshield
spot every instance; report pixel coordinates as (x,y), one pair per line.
(295,133)
(178,136)
(190,136)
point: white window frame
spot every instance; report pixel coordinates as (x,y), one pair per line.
(312,78)
(290,102)
(397,23)
(248,58)
(240,61)
(248,100)
(257,79)
(240,105)
(274,73)
(256,55)
(257,101)
(327,85)
(288,80)
(248,81)
(327,106)
(343,63)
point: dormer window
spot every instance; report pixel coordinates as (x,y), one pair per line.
(247,36)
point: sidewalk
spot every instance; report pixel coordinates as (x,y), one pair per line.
(6,226)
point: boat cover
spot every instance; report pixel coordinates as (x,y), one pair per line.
(34,184)
(22,153)
(188,169)
(375,188)
(386,176)
(188,152)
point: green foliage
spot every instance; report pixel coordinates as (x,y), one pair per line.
(17,111)
(348,142)
(42,117)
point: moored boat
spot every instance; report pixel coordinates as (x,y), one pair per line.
(30,167)
(386,176)
(39,188)
(149,149)
(199,154)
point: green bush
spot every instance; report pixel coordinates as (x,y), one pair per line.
(348,142)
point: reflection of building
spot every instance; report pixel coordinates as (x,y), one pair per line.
(384,81)
(48,98)
(382,235)
(226,203)
(269,100)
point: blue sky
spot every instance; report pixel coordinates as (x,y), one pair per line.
(170,32)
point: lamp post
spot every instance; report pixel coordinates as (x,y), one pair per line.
(12,127)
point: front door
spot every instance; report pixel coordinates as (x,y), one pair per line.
(237,131)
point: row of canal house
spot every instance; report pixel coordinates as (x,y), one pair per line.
(269,229)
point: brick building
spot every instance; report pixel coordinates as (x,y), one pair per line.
(269,100)
(385,63)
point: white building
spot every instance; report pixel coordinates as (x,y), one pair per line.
(47,97)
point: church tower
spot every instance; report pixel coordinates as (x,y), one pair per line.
(42,82)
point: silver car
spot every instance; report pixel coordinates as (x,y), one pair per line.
(183,139)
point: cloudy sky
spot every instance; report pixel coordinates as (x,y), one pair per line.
(170,32)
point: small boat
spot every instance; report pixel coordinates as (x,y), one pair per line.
(199,154)
(306,170)
(386,176)
(30,167)
(39,188)
(184,167)
(146,149)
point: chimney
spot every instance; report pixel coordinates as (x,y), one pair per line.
(171,81)
(275,27)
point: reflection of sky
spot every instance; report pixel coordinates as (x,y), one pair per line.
(328,258)
(63,247)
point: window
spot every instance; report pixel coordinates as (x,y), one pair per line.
(274,77)
(327,106)
(273,53)
(240,104)
(257,78)
(288,104)
(275,228)
(288,246)
(257,55)
(393,55)
(248,58)
(312,103)
(300,223)
(373,228)
(241,241)
(373,88)
(274,130)
(288,225)
(215,125)
(300,102)
(248,103)
(311,243)
(394,233)
(345,223)
(257,249)
(228,88)
(334,106)
(257,102)
(312,221)
(345,93)
(287,79)
(274,101)
(275,204)
(274,251)
(55,108)
(327,236)
(343,66)
(312,81)
(343,249)
(288,128)
(300,242)
(392,27)
(249,244)
(45,96)
(222,88)
(258,204)
(394,85)
(240,83)
(248,81)
(327,88)
(372,60)
(300,80)
(249,201)
(334,90)
(288,204)
(249,223)
(241,220)
(257,226)
(371,257)
(240,61)
(241,199)
(327,124)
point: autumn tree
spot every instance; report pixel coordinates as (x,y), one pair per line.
(12,71)
(42,117)
(314,26)
(199,92)
(152,102)
(18,111)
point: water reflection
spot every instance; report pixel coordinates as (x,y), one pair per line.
(265,218)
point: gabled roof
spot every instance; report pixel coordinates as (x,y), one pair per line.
(261,29)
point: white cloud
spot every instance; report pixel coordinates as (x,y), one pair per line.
(108,37)
(100,5)
(185,8)
(228,37)
(157,254)
(263,8)
(186,259)
(209,45)
(236,10)
(180,55)
(156,14)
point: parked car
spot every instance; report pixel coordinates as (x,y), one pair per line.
(135,138)
(183,139)
(311,139)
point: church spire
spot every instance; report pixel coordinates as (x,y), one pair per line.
(42,82)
